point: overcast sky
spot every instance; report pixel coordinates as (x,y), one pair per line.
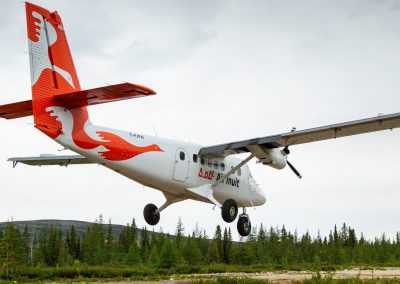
(223,71)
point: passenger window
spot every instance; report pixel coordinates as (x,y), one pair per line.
(239,171)
(182,155)
(195,158)
(222,167)
(202,161)
(209,163)
(216,164)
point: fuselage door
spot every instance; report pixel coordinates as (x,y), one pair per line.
(181,165)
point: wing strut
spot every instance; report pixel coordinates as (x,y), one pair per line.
(233,170)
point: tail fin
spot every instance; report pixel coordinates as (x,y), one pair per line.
(52,68)
(54,79)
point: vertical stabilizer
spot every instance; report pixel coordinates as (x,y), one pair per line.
(52,68)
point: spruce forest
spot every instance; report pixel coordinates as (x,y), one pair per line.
(133,253)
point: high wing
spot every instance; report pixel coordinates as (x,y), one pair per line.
(378,123)
(52,160)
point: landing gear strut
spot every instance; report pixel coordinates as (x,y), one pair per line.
(244,225)
(151,214)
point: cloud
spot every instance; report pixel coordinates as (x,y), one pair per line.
(223,71)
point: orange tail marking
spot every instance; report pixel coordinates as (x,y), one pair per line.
(120,149)
(52,68)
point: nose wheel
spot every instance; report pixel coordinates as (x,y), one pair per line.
(244,225)
(151,215)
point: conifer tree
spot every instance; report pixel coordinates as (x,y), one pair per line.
(133,255)
(72,243)
(133,232)
(109,242)
(63,257)
(25,244)
(11,249)
(168,255)
(191,251)
(215,251)
(218,239)
(144,245)
(154,257)
(179,233)
(40,250)
(53,248)
(226,246)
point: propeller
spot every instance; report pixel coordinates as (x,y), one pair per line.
(294,169)
(287,152)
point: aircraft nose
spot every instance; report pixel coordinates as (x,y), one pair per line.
(261,196)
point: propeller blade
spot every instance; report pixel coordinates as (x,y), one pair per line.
(294,169)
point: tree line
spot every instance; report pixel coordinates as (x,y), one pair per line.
(264,246)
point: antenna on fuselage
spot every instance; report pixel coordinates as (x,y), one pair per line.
(155,131)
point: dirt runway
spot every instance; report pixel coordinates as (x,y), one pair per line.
(282,276)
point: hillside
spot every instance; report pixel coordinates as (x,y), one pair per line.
(64,225)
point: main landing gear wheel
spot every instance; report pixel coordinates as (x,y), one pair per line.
(244,225)
(151,215)
(229,210)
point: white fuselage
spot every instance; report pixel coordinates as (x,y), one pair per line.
(172,170)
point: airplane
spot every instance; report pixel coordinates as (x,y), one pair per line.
(180,170)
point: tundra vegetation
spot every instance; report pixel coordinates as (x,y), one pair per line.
(141,254)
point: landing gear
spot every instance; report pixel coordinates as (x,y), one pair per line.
(229,210)
(244,225)
(151,214)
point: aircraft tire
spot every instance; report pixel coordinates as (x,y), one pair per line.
(151,215)
(244,225)
(229,210)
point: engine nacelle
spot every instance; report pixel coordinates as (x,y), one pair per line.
(277,159)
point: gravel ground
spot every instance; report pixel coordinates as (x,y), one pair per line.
(282,276)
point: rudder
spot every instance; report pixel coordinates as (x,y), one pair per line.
(51,65)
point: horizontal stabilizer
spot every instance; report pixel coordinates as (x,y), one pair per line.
(51,160)
(83,98)
(16,110)
(102,95)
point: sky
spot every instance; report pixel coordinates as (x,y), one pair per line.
(223,71)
